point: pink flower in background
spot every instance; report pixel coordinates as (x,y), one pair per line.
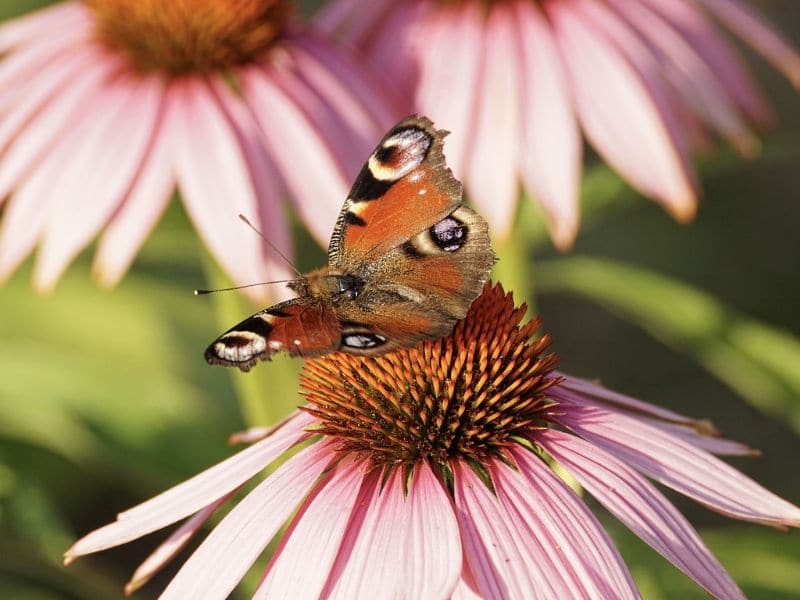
(425,478)
(106,106)
(518,82)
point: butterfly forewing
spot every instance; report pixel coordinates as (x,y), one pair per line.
(404,188)
(301,327)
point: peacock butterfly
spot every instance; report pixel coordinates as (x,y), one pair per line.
(405,262)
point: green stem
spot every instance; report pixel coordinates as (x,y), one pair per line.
(514,268)
(268,392)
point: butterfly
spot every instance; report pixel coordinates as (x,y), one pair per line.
(405,261)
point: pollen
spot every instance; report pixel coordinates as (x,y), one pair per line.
(185,36)
(466,395)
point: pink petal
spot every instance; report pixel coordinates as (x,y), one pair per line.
(696,83)
(382,104)
(34,62)
(234,544)
(69,16)
(355,18)
(464,592)
(681,466)
(551,147)
(584,555)
(217,184)
(760,34)
(390,46)
(446,88)
(48,128)
(314,537)
(631,125)
(53,150)
(431,565)
(491,179)
(595,394)
(269,192)
(703,440)
(349,149)
(367,565)
(638,504)
(141,209)
(699,432)
(294,144)
(506,556)
(99,174)
(721,57)
(194,494)
(170,547)
(354,112)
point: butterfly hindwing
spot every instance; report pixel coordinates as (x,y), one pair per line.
(420,288)
(404,188)
(301,326)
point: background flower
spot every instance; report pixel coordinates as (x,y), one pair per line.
(646,82)
(108,105)
(425,481)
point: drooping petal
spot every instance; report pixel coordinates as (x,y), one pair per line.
(431,564)
(64,15)
(194,494)
(310,172)
(506,556)
(681,466)
(51,127)
(144,205)
(358,19)
(313,538)
(392,48)
(385,107)
(100,175)
(357,115)
(54,153)
(584,554)
(216,183)
(35,62)
(367,564)
(721,57)
(691,77)
(268,188)
(169,548)
(491,176)
(223,558)
(760,34)
(550,158)
(348,149)
(446,91)
(638,504)
(630,125)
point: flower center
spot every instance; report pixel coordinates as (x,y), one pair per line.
(465,395)
(182,36)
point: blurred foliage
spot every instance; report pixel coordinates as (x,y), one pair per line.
(105,399)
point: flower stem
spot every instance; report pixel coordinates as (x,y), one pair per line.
(268,392)
(514,268)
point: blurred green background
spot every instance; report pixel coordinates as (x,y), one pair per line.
(105,399)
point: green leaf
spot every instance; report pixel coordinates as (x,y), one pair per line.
(759,362)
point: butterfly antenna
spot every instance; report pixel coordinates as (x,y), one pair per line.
(271,245)
(241,287)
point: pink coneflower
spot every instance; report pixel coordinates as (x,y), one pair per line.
(424,473)
(107,105)
(518,81)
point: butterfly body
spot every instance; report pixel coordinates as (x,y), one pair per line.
(405,262)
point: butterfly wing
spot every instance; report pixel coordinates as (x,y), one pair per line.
(302,327)
(404,188)
(419,289)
